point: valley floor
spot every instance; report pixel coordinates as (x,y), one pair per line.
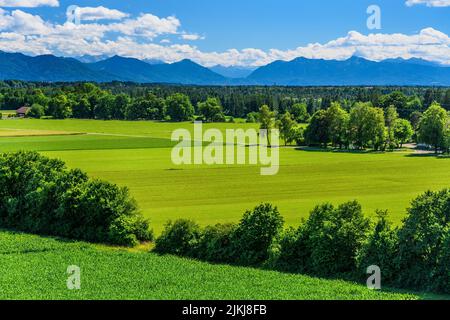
(138,155)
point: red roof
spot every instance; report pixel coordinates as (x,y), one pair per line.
(22,110)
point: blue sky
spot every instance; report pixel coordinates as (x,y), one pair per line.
(239,32)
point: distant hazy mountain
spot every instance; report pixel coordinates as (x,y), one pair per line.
(354,71)
(16,66)
(188,72)
(233,72)
(91,59)
(300,71)
(127,69)
(183,72)
(153,61)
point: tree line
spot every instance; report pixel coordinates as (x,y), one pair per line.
(363,126)
(133,101)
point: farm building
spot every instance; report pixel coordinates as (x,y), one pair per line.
(22,112)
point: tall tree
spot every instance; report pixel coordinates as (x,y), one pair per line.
(211,110)
(402,131)
(366,125)
(317,131)
(286,126)
(432,126)
(179,107)
(266,121)
(391,117)
(338,120)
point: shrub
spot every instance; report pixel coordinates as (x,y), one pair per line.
(293,255)
(40,195)
(36,111)
(422,241)
(442,282)
(215,244)
(381,249)
(327,244)
(252,117)
(255,234)
(179,238)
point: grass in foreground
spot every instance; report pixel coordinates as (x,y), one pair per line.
(35,267)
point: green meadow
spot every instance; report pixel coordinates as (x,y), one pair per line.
(37,269)
(138,155)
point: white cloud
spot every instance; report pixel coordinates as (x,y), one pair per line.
(99,13)
(138,37)
(191,37)
(29,3)
(429,3)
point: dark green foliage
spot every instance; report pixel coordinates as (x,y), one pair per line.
(248,243)
(336,242)
(423,241)
(179,238)
(211,110)
(216,244)
(256,233)
(317,132)
(381,249)
(442,280)
(179,107)
(331,238)
(40,195)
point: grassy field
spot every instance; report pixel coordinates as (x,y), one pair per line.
(137,155)
(36,269)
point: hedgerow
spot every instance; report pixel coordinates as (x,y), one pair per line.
(335,242)
(41,196)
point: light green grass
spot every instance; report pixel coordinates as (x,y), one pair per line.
(212,194)
(35,268)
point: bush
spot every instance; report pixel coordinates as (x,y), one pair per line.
(247,243)
(381,249)
(215,244)
(422,240)
(252,117)
(293,255)
(36,111)
(179,238)
(327,244)
(40,195)
(255,234)
(442,282)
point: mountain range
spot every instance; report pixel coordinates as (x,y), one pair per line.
(298,72)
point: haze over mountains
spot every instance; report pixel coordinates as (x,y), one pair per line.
(298,72)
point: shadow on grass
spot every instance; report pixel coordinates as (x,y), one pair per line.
(428,155)
(332,150)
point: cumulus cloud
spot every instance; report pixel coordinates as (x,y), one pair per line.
(138,37)
(99,13)
(429,3)
(29,3)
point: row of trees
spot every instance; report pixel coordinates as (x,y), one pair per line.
(105,106)
(364,126)
(336,242)
(236,101)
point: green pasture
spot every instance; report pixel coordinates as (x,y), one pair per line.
(138,155)
(35,267)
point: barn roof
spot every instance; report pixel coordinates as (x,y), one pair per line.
(22,110)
